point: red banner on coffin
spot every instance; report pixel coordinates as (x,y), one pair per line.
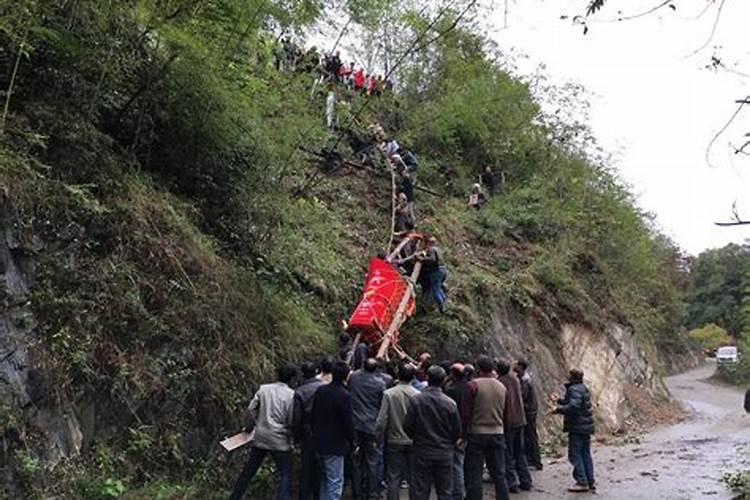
(384,290)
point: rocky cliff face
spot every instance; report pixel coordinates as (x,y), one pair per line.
(25,393)
(618,372)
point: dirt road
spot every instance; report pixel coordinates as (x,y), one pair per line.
(681,461)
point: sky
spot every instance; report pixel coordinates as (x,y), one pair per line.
(654,103)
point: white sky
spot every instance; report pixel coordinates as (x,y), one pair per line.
(659,107)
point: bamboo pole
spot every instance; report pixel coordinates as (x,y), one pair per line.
(398,318)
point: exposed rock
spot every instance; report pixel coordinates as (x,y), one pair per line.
(22,388)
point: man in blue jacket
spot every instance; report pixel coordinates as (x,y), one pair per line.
(579,424)
(333,430)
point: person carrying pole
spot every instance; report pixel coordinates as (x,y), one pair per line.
(434,272)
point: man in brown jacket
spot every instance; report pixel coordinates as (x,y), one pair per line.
(517,469)
(484,437)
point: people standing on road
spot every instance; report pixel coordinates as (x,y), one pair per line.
(484,437)
(325,375)
(390,423)
(434,424)
(309,481)
(514,422)
(271,411)
(420,377)
(459,390)
(367,387)
(531,409)
(434,271)
(578,422)
(332,425)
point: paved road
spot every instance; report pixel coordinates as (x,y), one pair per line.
(684,461)
(676,462)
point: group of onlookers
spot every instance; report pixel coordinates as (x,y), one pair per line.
(421,427)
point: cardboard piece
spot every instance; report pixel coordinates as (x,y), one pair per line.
(236,441)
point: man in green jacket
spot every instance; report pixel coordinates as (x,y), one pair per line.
(396,402)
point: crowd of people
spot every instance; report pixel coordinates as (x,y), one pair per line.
(420,426)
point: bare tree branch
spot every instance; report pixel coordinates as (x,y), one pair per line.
(719,10)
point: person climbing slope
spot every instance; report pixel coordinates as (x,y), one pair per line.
(434,271)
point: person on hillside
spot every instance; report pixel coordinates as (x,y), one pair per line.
(530,408)
(484,437)
(410,160)
(271,411)
(309,484)
(404,222)
(367,387)
(434,424)
(333,436)
(345,73)
(390,422)
(459,390)
(514,422)
(434,271)
(477,199)
(334,66)
(488,180)
(359,80)
(578,422)
(406,187)
(390,147)
(331,108)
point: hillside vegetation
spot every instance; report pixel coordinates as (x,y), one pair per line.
(181,249)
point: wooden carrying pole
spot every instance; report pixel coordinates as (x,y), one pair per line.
(398,318)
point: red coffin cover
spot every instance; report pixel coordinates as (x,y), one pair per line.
(384,290)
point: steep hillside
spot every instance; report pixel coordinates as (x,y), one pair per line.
(167,244)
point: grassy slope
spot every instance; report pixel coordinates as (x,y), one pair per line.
(169,285)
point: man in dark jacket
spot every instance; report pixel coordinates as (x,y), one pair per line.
(531,409)
(309,481)
(517,470)
(579,424)
(434,425)
(366,387)
(459,391)
(332,431)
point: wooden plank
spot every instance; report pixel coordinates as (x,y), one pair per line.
(237,441)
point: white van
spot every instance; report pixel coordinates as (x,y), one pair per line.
(727,355)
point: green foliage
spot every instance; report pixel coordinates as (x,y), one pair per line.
(710,337)
(718,281)
(100,489)
(152,148)
(738,482)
